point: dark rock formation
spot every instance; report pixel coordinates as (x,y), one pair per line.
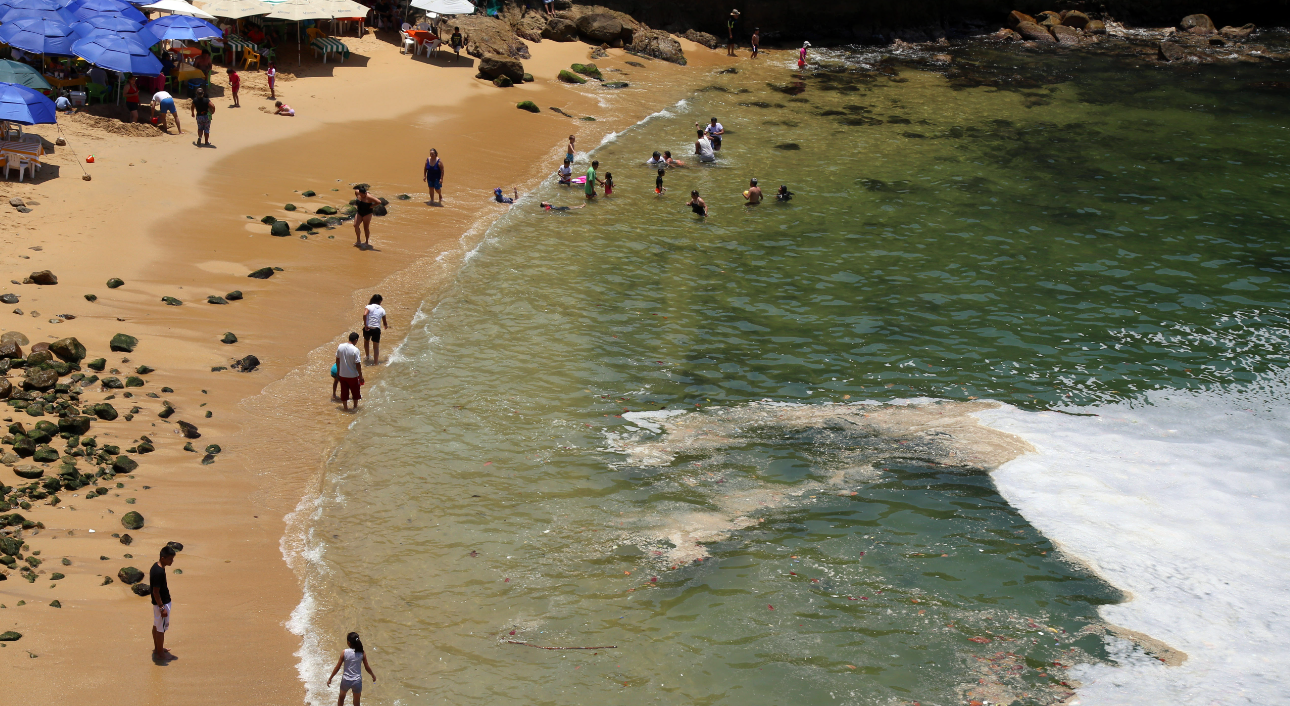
(495,65)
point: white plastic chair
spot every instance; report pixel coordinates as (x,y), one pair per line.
(433,47)
(425,45)
(407,41)
(23,163)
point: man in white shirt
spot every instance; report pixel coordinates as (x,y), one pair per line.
(165,103)
(373,320)
(349,368)
(715,130)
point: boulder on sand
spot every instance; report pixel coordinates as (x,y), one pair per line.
(129,575)
(280,229)
(245,365)
(559,29)
(47,277)
(660,45)
(189,430)
(703,38)
(1035,33)
(123,343)
(132,520)
(529,106)
(68,349)
(601,28)
(1194,24)
(494,65)
(570,77)
(262,273)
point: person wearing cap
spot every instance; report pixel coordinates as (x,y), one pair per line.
(753,194)
(730,29)
(501,197)
(801,55)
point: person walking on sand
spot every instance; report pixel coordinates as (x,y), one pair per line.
(166,103)
(354,660)
(730,30)
(703,148)
(697,204)
(373,320)
(590,187)
(234,85)
(272,74)
(363,216)
(456,41)
(755,41)
(349,367)
(753,194)
(434,175)
(202,109)
(161,604)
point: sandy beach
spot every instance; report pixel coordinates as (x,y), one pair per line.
(172,220)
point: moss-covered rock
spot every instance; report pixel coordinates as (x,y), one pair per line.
(115,282)
(68,349)
(142,590)
(24,447)
(112,382)
(570,77)
(122,343)
(262,273)
(289,207)
(124,464)
(327,210)
(268,220)
(76,424)
(10,636)
(229,337)
(129,575)
(529,106)
(235,295)
(503,82)
(308,194)
(97,365)
(132,520)
(133,381)
(588,70)
(280,229)
(528,78)
(45,454)
(104,411)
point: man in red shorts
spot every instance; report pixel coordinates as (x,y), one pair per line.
(349,368)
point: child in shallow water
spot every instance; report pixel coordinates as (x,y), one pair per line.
(658,182)
(609,183)
(354,660)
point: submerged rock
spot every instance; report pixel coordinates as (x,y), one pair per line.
(1170,51)
(1035,33)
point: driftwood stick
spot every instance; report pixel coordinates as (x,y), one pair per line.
(540,647)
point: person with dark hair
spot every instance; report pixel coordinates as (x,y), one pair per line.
(548,206)
(783,194)
(755,40)
(349,367)
(753,194)
(658,182)
(434,175)
(457,42)
(589,188)
(202,109)
(365,202)
(703,147)
(697,204)
(714,131)
(373,320)
(354,661)
(161,606)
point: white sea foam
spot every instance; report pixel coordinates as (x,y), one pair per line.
(1179,499)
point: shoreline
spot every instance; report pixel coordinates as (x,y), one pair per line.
(268,421)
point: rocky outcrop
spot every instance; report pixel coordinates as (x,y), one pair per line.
(1016,17)
(1034,32)
(660,45)
(495,65)
(1199,25)
(490,35)
(702,38)
(603,28)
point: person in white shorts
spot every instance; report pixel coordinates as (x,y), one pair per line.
(161,607)
(354,660)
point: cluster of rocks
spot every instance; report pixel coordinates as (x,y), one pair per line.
(1075,28)
(331,217)
(499,42)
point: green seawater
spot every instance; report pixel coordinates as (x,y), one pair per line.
(1071,230)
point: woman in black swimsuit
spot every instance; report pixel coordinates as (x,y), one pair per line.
(363,217)
(697,204)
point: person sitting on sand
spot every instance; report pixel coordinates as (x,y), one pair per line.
(499,197)
(667,157)
(697,204)
(783,194)
(63,104)
(551,207)
(283,109)
(354,660)
(703,148)
(165,102)
(365,203)
(565,172)
(753,194)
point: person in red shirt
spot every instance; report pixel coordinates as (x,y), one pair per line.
(234,85)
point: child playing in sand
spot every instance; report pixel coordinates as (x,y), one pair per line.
(284,109)
(658,182)
(272,74)
(354,660)
(609,184)
(234,85)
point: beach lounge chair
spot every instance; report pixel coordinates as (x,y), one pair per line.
(249,56)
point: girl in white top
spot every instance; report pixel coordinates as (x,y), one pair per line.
(373,320)
(703,148)
(354,660)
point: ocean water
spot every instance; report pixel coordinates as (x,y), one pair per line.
(992,410)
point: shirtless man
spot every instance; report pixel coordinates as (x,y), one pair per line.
(753,194)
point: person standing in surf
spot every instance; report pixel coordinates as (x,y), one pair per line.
(354,660)
(703,148)
(697,204)
(755,41)
(801,56)
(434,175)
(365,203)
(373,320)
(349,368)
(730,31)
(589,188)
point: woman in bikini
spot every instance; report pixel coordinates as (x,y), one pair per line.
(363,217)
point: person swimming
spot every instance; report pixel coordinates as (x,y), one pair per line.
(551,207)
(783,194)
(697,204)
(667,157)
(499,197)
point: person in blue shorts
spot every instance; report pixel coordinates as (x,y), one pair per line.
(434,176)
(165,102)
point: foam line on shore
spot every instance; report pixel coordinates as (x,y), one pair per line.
(1179,499)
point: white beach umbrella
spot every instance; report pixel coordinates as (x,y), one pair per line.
(236,9)
(300,10)
(445,7)
(348,8)
(179,7)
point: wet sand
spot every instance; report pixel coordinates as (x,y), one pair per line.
(170,219)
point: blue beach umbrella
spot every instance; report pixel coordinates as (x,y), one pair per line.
(85,9)
(25,106)
(117,53)
(183,27)
(39,36)
(31,4)
(8,14)
(129,29)
(143,37)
